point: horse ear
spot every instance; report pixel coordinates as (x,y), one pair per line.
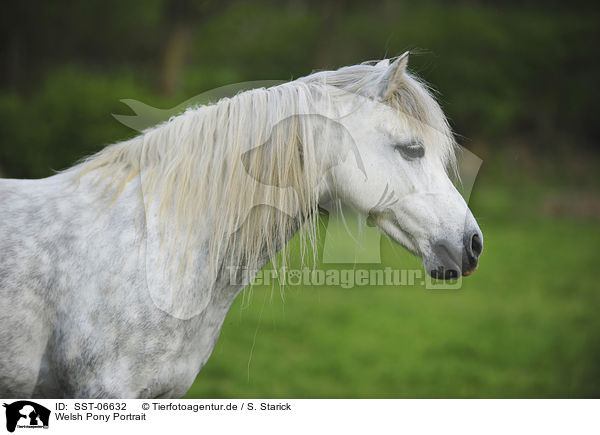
(392,77)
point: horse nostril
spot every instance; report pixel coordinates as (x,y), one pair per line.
(472,250)
(476,245)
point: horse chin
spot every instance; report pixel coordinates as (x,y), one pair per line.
(444,262)
(444,268)
(444,273)
(437,268)
(392,229)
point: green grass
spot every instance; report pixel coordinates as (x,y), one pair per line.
(525,325)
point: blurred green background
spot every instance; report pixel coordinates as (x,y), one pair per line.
(518,82)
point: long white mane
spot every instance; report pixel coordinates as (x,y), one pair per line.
(191,166)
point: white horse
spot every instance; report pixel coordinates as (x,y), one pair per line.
(114,274)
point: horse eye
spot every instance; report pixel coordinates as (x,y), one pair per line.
(411,151)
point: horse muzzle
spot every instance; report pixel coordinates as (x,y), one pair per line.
(451,262)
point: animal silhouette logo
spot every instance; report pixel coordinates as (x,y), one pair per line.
(26,414)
